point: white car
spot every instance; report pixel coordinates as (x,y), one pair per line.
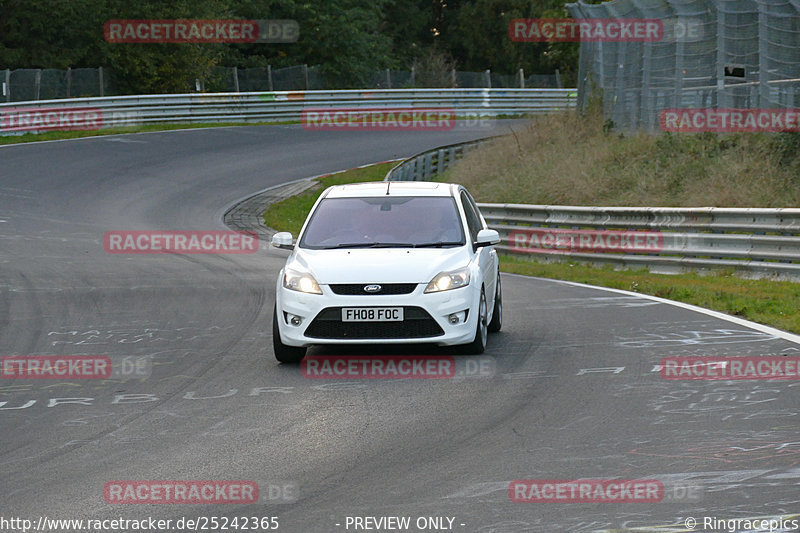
(388,262)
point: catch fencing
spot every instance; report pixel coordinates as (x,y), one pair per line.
(22,85)
(47,84)
(718,54)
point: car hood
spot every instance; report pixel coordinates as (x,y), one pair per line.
(378,265)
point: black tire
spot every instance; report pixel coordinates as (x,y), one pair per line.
(284,353)
(478,346)
(497,314)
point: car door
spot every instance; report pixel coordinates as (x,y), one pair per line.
(487,255)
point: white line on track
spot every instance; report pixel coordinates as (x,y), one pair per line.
(716,314)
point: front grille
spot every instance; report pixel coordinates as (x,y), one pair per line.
(416,324)
(357,289)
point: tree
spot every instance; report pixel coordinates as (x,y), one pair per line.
(476,33)
(163,67)
(343,37)
(349,40)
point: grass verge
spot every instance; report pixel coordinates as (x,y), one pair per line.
(61,135)
(79,134)
(773,303)
(572,159)
(289,215)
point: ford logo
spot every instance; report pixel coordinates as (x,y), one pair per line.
(372,288)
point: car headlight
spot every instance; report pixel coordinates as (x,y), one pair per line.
(300,281)
(444,281)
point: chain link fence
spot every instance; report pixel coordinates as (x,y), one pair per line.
(714,54)
(35,84)
(407,79)
(45,84)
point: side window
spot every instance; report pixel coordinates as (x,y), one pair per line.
(473,219)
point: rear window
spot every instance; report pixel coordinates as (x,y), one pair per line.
(390,221)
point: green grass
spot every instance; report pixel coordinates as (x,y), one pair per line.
(78,134)
(773,303)
(289,215)
(61,135)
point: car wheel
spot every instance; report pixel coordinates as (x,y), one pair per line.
(497,314)
(284,353)
(478,346)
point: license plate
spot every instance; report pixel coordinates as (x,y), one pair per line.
(372,314)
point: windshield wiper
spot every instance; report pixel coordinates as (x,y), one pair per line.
(371,245)
(439,244)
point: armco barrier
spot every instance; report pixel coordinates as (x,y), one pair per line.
(422,167)
(285,105)
(759,241)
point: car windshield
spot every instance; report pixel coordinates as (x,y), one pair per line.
(384,222)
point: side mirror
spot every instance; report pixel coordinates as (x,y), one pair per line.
(487,237)
(283,239)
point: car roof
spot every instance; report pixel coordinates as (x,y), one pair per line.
(395,188)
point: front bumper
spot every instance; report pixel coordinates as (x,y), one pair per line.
(426,317)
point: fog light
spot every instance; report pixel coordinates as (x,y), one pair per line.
(457,318)
(294,320)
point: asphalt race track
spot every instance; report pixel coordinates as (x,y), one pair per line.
(573,388)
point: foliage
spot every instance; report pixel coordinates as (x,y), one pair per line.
(348,39)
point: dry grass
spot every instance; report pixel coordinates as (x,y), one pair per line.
(766,301)
(568,159)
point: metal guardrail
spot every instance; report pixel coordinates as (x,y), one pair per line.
(759,241)
(282,105)
(425,165)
